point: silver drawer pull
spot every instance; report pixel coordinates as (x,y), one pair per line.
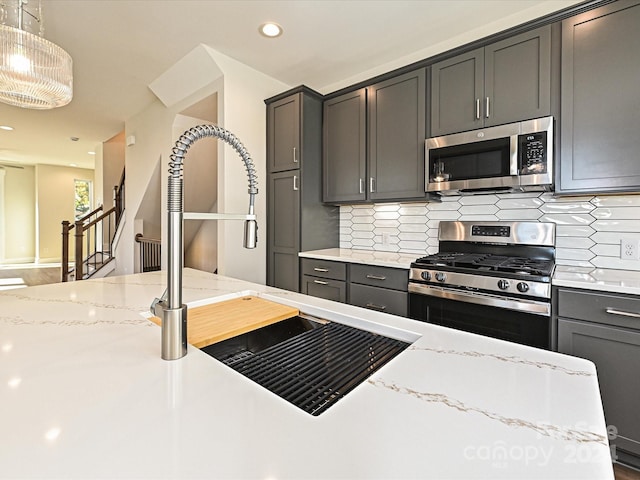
(376,277)
(295,156)
(320,282)
(373,306)
(318,269)
(613,311)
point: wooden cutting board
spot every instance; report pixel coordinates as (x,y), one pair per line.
(218,321)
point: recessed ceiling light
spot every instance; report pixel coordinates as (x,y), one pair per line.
(73,164)
(270,29)
(74,139)
(6,127)
(91,153)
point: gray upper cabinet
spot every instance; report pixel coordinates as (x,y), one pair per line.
(345,149)
(504,82)
(374,141)
(600,100)
(457,85)
(283,130)
(297,220)
(396,114)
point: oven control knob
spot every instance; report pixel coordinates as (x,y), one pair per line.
(441,277)
(503,284)
(522,287)
(426,276)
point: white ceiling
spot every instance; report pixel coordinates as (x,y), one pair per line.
(120,46)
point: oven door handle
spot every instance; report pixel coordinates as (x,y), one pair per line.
(520,304)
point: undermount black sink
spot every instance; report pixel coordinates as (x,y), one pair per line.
(309,363)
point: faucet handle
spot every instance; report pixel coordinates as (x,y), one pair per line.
(157,306)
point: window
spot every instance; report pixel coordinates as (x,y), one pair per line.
(83,200)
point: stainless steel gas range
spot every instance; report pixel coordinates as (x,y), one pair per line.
(490,278)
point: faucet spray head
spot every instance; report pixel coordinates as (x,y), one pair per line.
(250,233)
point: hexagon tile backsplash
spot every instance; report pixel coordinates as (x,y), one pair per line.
(589,230)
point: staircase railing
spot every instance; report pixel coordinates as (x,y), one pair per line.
(91,250)
(118,199)
(150,253)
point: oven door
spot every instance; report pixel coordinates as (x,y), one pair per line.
(527,322)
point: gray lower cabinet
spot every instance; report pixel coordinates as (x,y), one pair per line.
(504,82)
(600,100)
(605,329)
(324,279)
(377,288)
(383,289)
(297,219)
(373,145)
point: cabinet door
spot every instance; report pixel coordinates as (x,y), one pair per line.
(396,111)
(517,73)
(335,290)
(616,354)
(379,299)
(344,152)
(456,93)
(284,230)
(600,100)
(283,125)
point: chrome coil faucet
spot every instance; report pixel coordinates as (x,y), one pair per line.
(169,307)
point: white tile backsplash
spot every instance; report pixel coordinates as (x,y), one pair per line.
(588,232)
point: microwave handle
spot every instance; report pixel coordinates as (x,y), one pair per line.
(513,155)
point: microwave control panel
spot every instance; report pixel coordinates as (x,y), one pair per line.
(533,153)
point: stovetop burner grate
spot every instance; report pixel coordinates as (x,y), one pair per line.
(488,262)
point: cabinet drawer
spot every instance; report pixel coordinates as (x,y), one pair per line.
(385,277)
(324,269)
(379,299)
(324,288)
(607,308)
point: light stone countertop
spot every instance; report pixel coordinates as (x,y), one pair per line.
(600,279)
(365,257)
(85,394)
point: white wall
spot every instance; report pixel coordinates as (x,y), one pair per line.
(19,215)
(55,194)
(241,92)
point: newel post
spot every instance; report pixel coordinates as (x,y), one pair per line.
(65,250)
(79,239)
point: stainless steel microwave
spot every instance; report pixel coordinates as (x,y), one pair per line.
(512,157)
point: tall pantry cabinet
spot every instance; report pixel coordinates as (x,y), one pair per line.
(296,218)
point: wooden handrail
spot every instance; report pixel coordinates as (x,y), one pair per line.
(90,214)
(98,219)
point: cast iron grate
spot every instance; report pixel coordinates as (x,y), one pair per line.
(315,369)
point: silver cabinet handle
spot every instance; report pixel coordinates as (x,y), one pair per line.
(372,185)
(318,269)
(295,182)
(486,113)
(362,185)
(295,156)
(613,311)
(477,109)
(320,282)
(376,277)
(373,306)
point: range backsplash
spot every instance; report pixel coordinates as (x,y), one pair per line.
(588,233)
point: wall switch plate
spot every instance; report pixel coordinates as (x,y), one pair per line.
(630,248)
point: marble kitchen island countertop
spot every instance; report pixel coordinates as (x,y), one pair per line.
(85,394)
